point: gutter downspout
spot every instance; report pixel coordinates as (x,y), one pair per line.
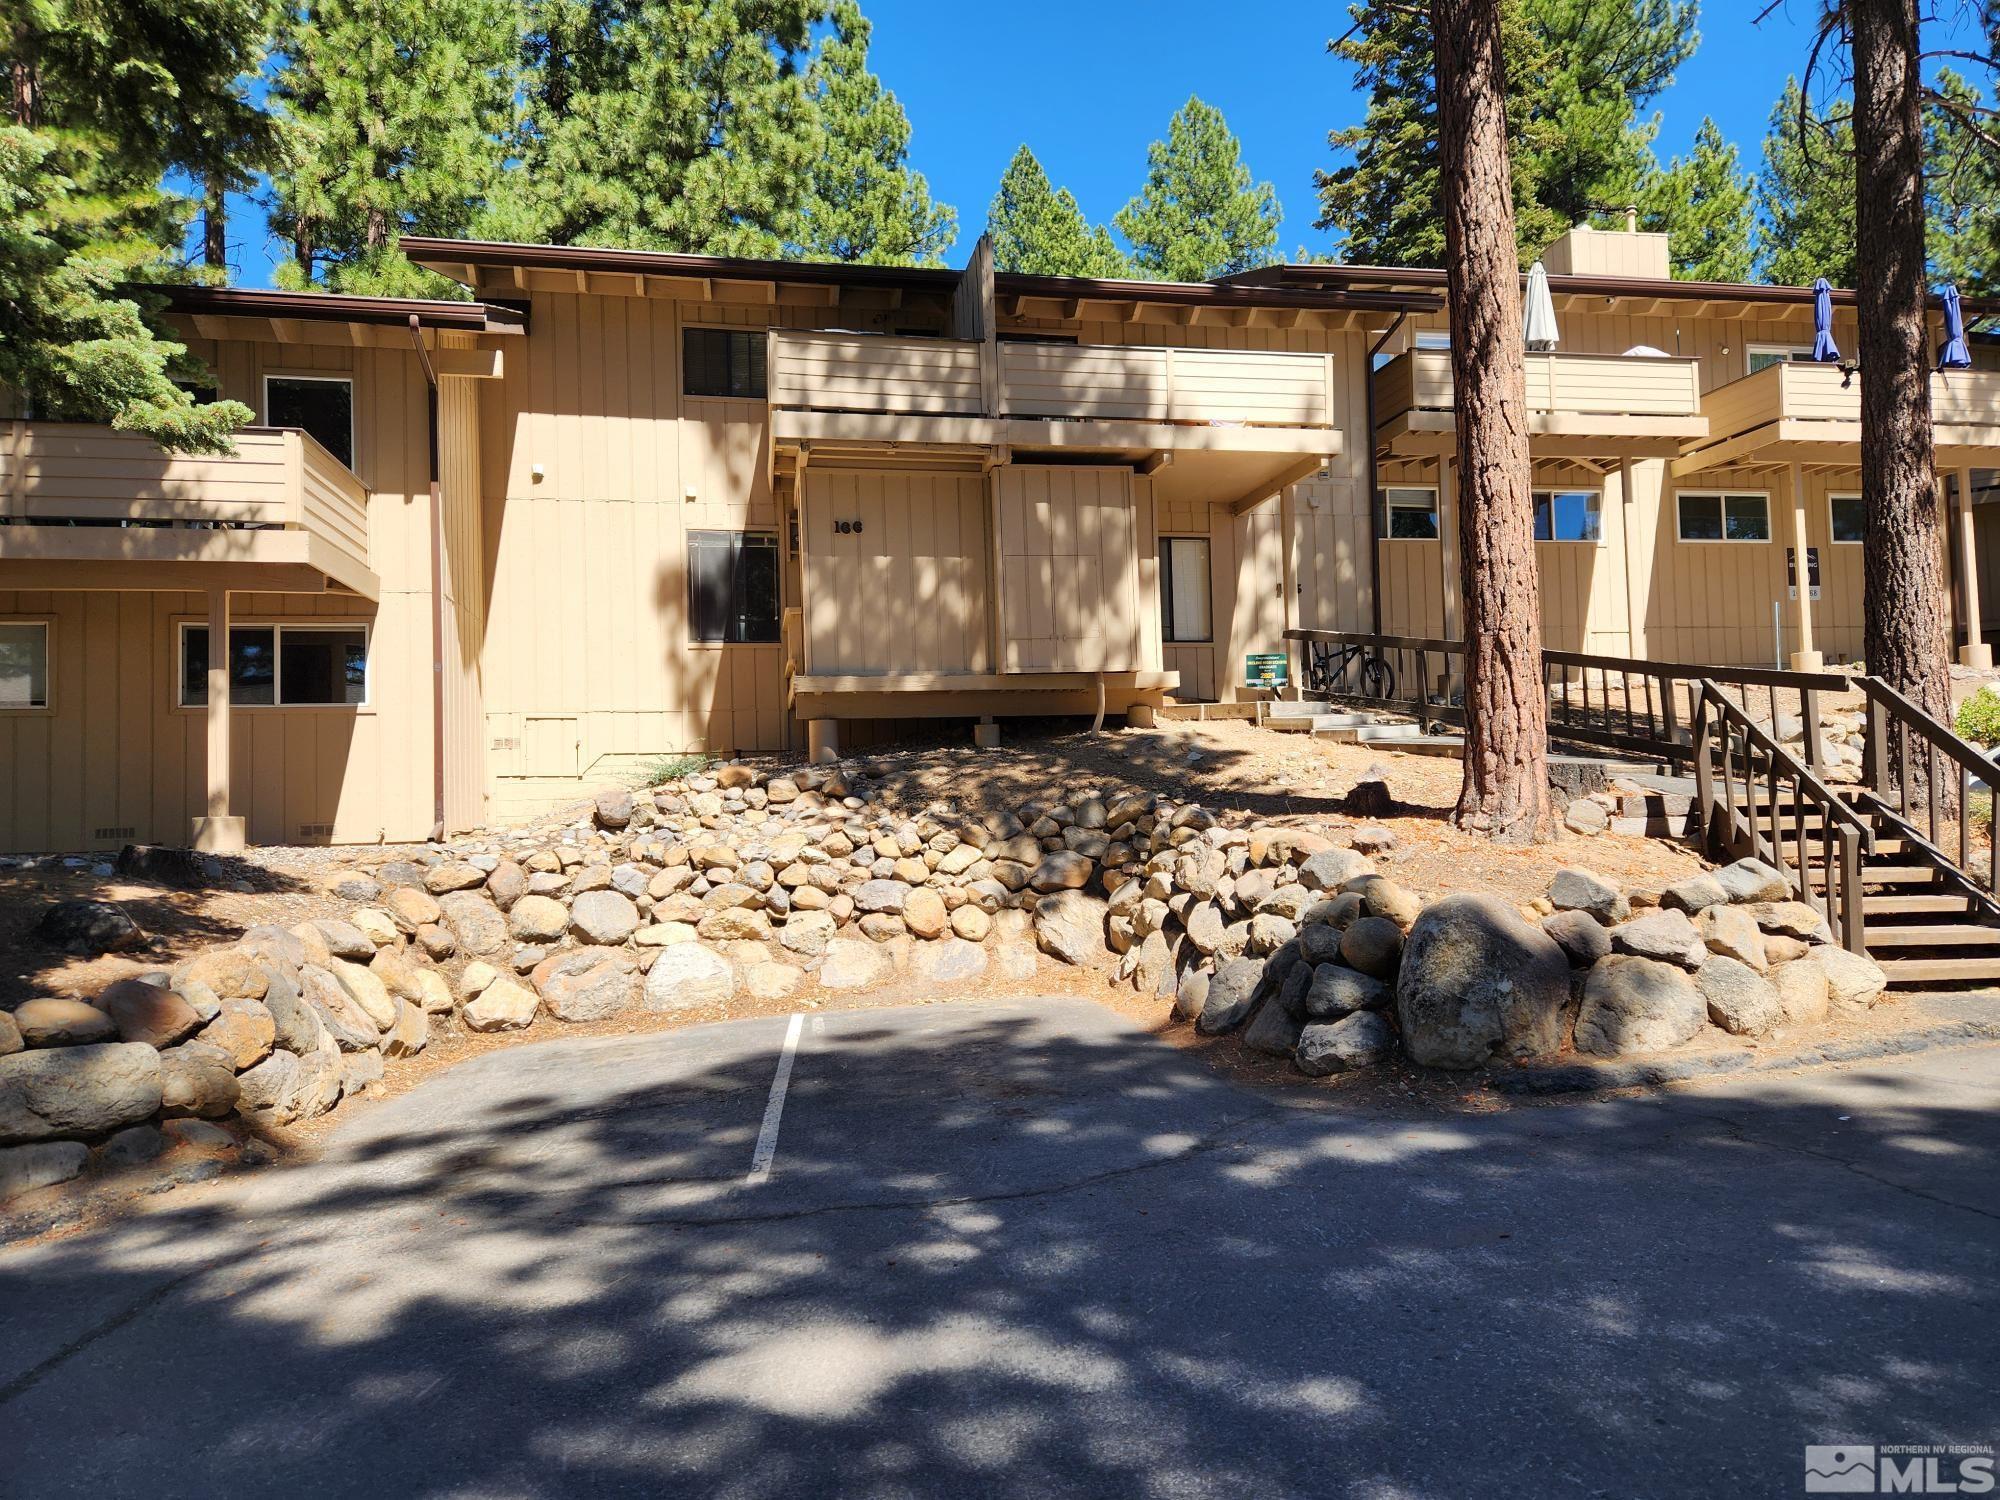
(1374,474)
(437,583)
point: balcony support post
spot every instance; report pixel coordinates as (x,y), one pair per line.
(1805,658)
(218,832)
(1975,653)
(1448,546)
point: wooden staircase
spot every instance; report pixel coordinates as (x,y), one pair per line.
(1914,891)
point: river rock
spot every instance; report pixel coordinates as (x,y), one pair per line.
(1374,945)
(1330,869)
(504,1005)
(1230,996)
(1478,982)
(23,1169)
(852,964)
(1663,935)
(148,1013)
(587,984)
(538,919)
(1751,880)
(89,928)
(1070,926)
(1739,999)
(86,1091)
(1360,1040)
(1580,935)
(1853,981)
(1635,1004)
(476,923)
(1337,991)
(197,1078)
(244,1029)
(1803,992)
(688,976)
(1575,889)
(51,1021)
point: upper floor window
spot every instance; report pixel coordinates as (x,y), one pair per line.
(1569,515)
(1724,518)
(24,664)
(732,587)
(322,405)
(1410,513)
(1437,338)
(1763,356)
(723,362)
(1184,589)
(1849,518)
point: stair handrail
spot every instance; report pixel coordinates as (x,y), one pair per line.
(1725,825)
(1891,713)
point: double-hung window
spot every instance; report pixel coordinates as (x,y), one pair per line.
(284,666)
(1410,513)
(24,664)
(1184,589)
(732,587)
(1710,517)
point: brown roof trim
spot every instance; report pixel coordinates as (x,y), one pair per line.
(332,307)
(453,256)
(1602,286)
(448,256)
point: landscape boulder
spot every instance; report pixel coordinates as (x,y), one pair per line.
(1070,926)
(89,928)
(1360,1040)
(1663,935)
(688,976)
(1739,999)
(52,1021)
(587,984)
(1635,1004)
(1585,890)
(1478,982)
(84,1091)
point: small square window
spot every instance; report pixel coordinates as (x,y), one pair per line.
(732,587)
(723,362)
(1850,519)
(1184,589)
(322,407)
(1569,515)
(24,664)
(1410,514)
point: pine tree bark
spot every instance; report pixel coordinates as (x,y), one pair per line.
(214,224)
(1905,612)
(1505,793)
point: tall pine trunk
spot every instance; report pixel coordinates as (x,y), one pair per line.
(1905,613)
(1506,789)
(214,223)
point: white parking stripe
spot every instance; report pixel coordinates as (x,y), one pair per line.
(767,1138)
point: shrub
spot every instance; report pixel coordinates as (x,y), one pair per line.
(674,767)
(1979,717)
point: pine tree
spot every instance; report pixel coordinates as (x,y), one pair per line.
(661,124)
(864,203)
(1199,214)
(392,116)
(102,104)
(1578,72)
(1703,204)
(1805,196)
(1962,194)
(1039,230)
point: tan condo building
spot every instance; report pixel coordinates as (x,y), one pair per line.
(483,556)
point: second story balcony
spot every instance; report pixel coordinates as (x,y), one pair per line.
(88,506)
(1579,405)
(1799,412)
(860,387)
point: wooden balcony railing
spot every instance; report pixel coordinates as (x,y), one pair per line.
(1796,391)
(277,478)
(1630,385)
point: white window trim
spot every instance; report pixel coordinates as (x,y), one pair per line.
(1831,496)
(42,710)
(1571,489)
(1437,513)
(680,365)
(326,377)
(278,627)
(1681,538)
(1790,353)
(1208,589)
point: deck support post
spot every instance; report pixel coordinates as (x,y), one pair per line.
(1806,658)
(822,741)
(986,734)
(218,832)
(1975,653)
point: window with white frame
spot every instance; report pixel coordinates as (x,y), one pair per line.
(24,664)
(1569,515)
(1847,519)
(1432,339)
(1184,589)
(1763,356)
(321,405)
(282,666)
(1718,517)
(1410,513)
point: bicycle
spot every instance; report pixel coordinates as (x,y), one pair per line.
(1330,665)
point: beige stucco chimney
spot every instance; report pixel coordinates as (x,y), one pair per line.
(1584,251)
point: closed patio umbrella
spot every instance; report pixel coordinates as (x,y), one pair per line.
(1954,355)
(1825,350)
(1539,317)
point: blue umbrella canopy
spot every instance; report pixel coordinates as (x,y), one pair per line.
(1825,350)
(1954,355)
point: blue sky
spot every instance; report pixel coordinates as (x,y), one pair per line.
(1100,81)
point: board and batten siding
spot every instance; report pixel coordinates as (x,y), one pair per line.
(462,579)
(1070,548)
(903,589)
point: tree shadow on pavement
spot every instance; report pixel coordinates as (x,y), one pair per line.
(1014,1250)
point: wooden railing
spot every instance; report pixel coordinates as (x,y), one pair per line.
(869,372)
(277,477)
(1757,798)
(1799,391)
(1921,780)
(1625,704)
(1593,384)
